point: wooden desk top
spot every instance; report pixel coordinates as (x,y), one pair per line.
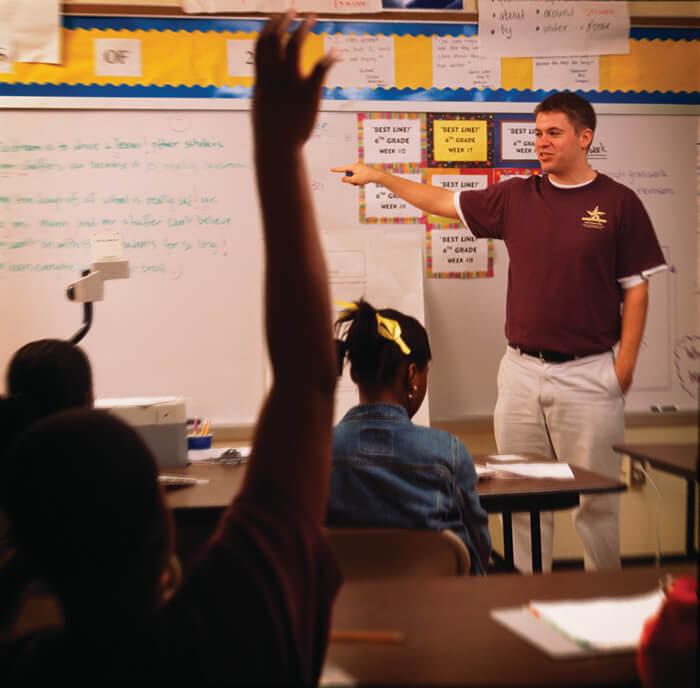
(584,482)
(680,459)
(225,481)
(496,494)
(450,639)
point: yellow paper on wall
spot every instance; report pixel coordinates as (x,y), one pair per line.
(460,140)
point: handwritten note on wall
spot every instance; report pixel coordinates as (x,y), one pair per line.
(559,73)
(530,28)
(364,61)
(457,63)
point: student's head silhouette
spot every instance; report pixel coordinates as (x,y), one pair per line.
(88,517)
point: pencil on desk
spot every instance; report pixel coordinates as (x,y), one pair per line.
(365,636)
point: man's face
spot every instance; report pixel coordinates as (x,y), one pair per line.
(560,148)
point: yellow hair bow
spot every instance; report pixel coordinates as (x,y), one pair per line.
(386,327)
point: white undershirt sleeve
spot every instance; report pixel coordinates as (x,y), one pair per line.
(633,280)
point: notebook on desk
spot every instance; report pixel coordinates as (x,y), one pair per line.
(577,628)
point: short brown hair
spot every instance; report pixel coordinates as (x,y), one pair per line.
(577,109)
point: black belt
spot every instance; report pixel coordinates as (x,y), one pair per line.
(546,356)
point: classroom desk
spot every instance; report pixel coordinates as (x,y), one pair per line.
(509,495)
(450,639)
(200,506)
(680,460)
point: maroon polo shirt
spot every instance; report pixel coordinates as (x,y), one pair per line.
(567,249)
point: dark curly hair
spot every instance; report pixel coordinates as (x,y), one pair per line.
(374,360)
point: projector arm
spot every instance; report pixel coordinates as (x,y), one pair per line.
(87,314)
(90,288)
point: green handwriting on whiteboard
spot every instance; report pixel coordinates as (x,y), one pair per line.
(75,199)
(111,145)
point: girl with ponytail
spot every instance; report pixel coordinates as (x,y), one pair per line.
(387,471)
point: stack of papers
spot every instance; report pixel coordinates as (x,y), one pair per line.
(605,624)
(571,628)
(516,465)
(556,470)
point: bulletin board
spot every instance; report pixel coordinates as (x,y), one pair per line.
(157,155)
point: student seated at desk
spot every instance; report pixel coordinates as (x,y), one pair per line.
(43,377)
(388,472)
(88,516)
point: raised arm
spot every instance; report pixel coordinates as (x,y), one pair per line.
(292,444)
(429,199)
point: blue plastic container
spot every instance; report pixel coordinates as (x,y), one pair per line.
(199,441)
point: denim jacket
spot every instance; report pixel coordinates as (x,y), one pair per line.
(389,473)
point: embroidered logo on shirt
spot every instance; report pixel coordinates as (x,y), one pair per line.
(595,219)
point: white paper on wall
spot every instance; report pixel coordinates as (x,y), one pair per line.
(457,63)
(33,30)
(532,28)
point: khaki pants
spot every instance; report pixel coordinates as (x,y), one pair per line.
(573,412)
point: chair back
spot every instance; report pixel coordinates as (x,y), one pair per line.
(380,553)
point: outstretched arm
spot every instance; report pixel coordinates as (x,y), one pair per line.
(292,444)
(429,199)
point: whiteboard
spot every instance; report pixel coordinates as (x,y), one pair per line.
(179,187)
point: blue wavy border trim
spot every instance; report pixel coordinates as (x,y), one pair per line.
(342,27)
(356,94)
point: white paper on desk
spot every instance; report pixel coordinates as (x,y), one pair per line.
(195,455)
(605,624)
(507,457)
(540,634)
(333,675)
(34,28)
(560,471)
(483,472)
(145,402)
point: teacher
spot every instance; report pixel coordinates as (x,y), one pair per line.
(581,249)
